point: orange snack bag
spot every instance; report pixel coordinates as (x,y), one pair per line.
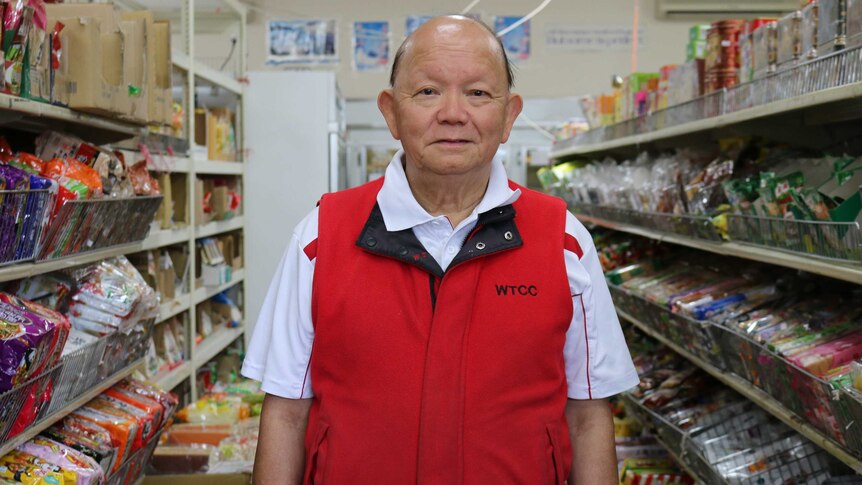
(122,428)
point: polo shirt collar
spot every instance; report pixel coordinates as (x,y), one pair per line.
(401,211)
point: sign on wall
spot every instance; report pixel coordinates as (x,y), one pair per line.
(590,37)
(301,41)
(413,22)
(370,46)
(516,41)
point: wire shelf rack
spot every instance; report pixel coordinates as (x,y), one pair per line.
(82,226)
(28,404)
(22,217)
(835,411)
(834,70)
(134,467)
(831,240)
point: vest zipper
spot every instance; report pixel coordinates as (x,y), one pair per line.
(431,283)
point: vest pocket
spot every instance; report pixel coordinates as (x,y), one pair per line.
(555,457)
(315,462)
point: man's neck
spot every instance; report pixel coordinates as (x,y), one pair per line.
(453,196)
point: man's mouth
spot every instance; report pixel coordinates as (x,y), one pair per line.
(448,141)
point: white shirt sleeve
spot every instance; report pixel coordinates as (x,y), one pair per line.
(279,352)
(598,362)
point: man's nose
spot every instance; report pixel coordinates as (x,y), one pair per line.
(453,108)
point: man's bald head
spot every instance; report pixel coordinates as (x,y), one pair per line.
(456,20)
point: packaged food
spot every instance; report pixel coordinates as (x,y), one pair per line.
(26,342)
(831,25)
(122,428)
(142,182)
(215,409)
(96,438)
(147,417)
(168,400)
(102,455)
(789,39)
(59,321)
(149,405)
(31,470)
(86,470)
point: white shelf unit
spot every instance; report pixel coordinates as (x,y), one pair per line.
(793,117)
(29,115)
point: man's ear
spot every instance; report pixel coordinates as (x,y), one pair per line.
(386,104)
(513,109)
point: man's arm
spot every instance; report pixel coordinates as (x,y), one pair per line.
(280,456)
(591,427)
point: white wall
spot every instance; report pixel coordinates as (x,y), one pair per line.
(550,72)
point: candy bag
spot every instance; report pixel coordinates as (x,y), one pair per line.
(25,344)
(85,468)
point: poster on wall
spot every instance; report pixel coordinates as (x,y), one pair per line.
(301,42)
(516,41)
(370,46)
(413,22)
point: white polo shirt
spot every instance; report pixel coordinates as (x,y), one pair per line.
(597,360)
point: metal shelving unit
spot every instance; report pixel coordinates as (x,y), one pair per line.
(832,269)
(32,116)
(814,105)
(759,397)
(47,421)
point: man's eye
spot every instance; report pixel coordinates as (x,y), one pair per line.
(427,92)
(477,92)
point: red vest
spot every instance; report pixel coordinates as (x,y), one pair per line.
(427,377)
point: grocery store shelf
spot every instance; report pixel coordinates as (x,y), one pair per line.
(216,167)
(759,397)
(218,227)
(215,343)
(813,101)
(809,263)
(24,270)
(206,292)
(172,378)
(206,73)
(47,421)
(678,459)
(174,307)
(165,237)
(30,115)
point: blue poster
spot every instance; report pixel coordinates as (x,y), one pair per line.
(370,46)
(414,22)
(517,41)
(301,41)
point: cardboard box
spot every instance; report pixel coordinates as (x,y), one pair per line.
(149,57)
(90,75)
(165,213)
(180,196)
(134,71)
(201,217)
(161,92)
(215,275)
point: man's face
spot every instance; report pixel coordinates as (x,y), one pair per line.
(450,106)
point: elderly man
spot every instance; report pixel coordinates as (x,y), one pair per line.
(441,325)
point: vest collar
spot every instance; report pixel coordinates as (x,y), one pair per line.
(401,211)
(495,232)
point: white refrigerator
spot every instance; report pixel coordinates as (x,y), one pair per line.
(295,149)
